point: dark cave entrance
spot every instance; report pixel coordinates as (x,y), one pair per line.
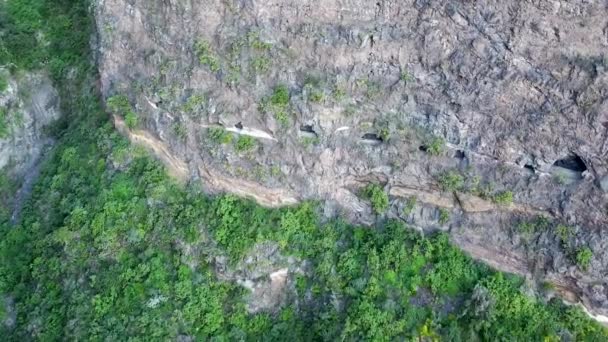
(372,138)
(573,163)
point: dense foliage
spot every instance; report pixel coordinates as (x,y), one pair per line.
(109,248)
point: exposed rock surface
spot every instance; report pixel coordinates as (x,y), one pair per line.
(28,105)
(518,90)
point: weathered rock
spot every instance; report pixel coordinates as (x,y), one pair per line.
(29,104)
(516,89)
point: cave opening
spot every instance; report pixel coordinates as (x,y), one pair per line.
(307,129)
(372,137)
(573,163)
(239,125)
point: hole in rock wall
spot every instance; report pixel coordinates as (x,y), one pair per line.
(307,128)
(572,163)
(307,131)
(529,167)
(423,148)
(372,138)
(239,125)
(459,154)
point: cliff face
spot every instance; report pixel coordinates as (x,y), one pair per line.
(450,106)
(28,105)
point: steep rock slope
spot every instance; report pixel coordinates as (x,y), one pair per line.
(28,105)
(286,100)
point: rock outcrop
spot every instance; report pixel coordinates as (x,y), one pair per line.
(28,105)
(518,91)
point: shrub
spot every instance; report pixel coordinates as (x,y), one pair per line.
(193,103)
(119,104)
(583,258)
(202,49)
(131,120)
(219,135)
(385,134)
(451,181)
(378,198)
(564,233)
(280,96)
(539,224)
(503,198)
(282,117)
(435,146)
(245,143)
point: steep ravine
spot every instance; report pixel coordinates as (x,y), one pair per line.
(515,95)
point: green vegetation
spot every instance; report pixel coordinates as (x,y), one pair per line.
(3,82)
(503,198)
(131,120)
(583,258)
(4,124)
(119,104)
(313,90)
(406,77)
(278,105)
(564,234)
(282,117)
(384,133)
(409,206)
(435,146)
(205,55)
(194,103)
(444,216)
(378,198)
(373,90)
(245,143)
(338,93)
(254,42)
(559,177)
(539,224)
(451,181)
(280,96)
(180,130)
(107,253)
(220,136)
(309,141)
(260,64)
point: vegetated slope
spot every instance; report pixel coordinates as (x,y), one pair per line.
(109,247)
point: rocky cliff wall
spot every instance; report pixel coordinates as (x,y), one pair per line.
(29,104)
(485,119)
